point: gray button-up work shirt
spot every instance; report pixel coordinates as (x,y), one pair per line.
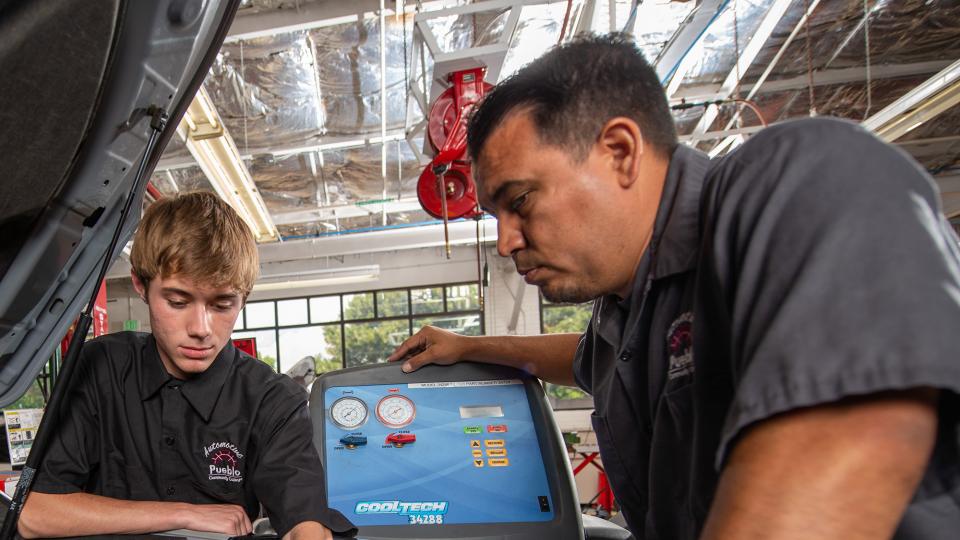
(810,265)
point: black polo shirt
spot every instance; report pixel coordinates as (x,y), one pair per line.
(810,265)
(238,433)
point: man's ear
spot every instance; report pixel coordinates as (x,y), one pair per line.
(621,143)
(139,286)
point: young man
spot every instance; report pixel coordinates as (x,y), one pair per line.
(773,347)
(177,429)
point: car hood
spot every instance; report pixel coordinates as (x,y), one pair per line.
(78,77)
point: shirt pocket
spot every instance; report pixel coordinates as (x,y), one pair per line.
(126,482)
(671,466)
(629,490)
(219,493)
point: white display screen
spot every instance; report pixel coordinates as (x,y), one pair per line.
(481,411)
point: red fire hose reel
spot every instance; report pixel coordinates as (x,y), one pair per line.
(446,189)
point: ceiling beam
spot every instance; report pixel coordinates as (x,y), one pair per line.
(309,15)
(675,59)
(462,232)
(329,213)
(821,78)
(774,13)
(329,144)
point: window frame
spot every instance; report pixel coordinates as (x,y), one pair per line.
(342,322)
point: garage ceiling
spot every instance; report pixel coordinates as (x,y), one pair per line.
(298,86)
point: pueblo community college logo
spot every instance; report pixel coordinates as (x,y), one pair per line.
(680,346)
(224,462)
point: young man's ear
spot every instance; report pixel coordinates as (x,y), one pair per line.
(139,286)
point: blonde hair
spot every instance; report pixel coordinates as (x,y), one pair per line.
(198,236)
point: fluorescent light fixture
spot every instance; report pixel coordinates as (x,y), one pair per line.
(913,127)
(318,278)
(921,104)
(211,145)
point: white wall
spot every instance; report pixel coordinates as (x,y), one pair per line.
(503,315)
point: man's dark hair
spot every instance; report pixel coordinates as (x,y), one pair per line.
(574,89)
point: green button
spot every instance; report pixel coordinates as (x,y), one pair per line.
(472,430)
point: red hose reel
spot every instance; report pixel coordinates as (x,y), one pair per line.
(446,189)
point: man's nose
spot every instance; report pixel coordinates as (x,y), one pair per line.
(509,236)
(199,323)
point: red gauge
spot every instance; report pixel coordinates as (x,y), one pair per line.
(396,411)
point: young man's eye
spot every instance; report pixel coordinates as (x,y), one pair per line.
(224,307)
(176,304)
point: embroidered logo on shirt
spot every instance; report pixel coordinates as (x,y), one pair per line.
(224,461)
(680,346)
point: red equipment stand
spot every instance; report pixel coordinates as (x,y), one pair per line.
(604,496)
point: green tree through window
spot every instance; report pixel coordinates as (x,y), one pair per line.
(562,319)
(366,342)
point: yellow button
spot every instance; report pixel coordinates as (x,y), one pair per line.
(474,444)
(478,463)
(494,442)
(499,462)
(496,452)
(478,453)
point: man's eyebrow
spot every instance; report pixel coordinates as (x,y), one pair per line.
(222,296)
(174,290)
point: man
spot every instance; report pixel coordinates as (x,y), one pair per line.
(177,429)
(772,352)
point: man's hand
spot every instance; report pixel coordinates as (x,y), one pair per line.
(309,530)
(430,345)
(220,518)
(844,470)
(549,357)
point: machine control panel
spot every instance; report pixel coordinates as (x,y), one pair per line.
(442,452)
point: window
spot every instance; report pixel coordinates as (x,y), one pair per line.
(354,329)
(466,324)
(372,342)
(309,342)
(325,309)
(462,297)
(358,306)
(556,318)
(427,300)
(392,303)
(266,344)
(260,315)
(292,312)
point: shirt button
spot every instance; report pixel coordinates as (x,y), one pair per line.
(625,356)
(171,490)
(169,441)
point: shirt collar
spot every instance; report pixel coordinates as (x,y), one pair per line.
(152,373)
(201,391)
(673,245)
(676,234)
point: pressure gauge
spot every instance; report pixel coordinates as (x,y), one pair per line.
(396,411)
(349,412)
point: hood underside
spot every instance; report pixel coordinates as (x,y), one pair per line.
(79,76)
